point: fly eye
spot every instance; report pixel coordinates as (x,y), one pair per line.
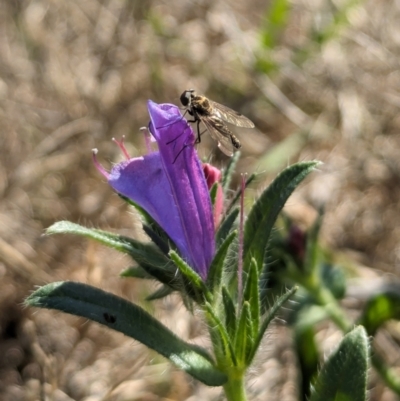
(185,98)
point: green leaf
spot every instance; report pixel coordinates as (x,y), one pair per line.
(344,375)
(213,193)
(147,256)
(220,338)
(244,339)
(380,308)
(265,211)
(268,319)
(135,272)
(230,312)
(120,315)
(195,286)
(226,226)
(334,279)
(229,171)
(307,357)
(311,260)
(252,296)
(160,293)
(152,228)
(186,270)
(157,239)
(216,268)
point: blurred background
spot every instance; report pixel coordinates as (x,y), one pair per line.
(319,78)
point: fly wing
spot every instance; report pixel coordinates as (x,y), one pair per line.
(231,116)
(220,133)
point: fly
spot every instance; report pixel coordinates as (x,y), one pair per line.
(215,116)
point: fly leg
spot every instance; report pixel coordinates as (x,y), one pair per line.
(199,134)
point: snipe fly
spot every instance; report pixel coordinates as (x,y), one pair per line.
(215,116)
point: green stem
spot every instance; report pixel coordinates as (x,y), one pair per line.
(234,387)
(387,373)
(325,298)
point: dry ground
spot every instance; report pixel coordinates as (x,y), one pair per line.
(74,74)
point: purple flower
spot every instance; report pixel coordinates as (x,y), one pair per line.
(171,187)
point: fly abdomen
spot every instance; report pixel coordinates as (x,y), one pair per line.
(235,142)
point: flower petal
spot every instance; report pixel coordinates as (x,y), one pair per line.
(143,180)
(184,172)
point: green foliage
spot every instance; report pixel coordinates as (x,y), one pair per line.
(244,336)
(213,193)
(268,319)
(334,279)
(221,339)
(160,293)
(226,226)
(229,171)
(152,228)
(215,273)
(230,312)
(312,254)
(380,308)
(266,209)
(237,320)
(252,296)
(307,356)
(148,257)
(129,319)
(135,272)
(344,375)
(194,283)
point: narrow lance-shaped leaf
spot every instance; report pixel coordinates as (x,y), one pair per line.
(265,211)
(230,312)
(135,272)
(220,336)
(307,357)
(312,250)
(244,341)
(216,268)
(146,255)
(157,239)
(213,193)
(151,227)
(194,283)
(252,296)
(344,375)
(226,226)
(160,293)
(120,315)
(228,172)
(268,319)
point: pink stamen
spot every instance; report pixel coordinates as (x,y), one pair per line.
(147,139)
(121,145)
(99,167)
(241,239)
